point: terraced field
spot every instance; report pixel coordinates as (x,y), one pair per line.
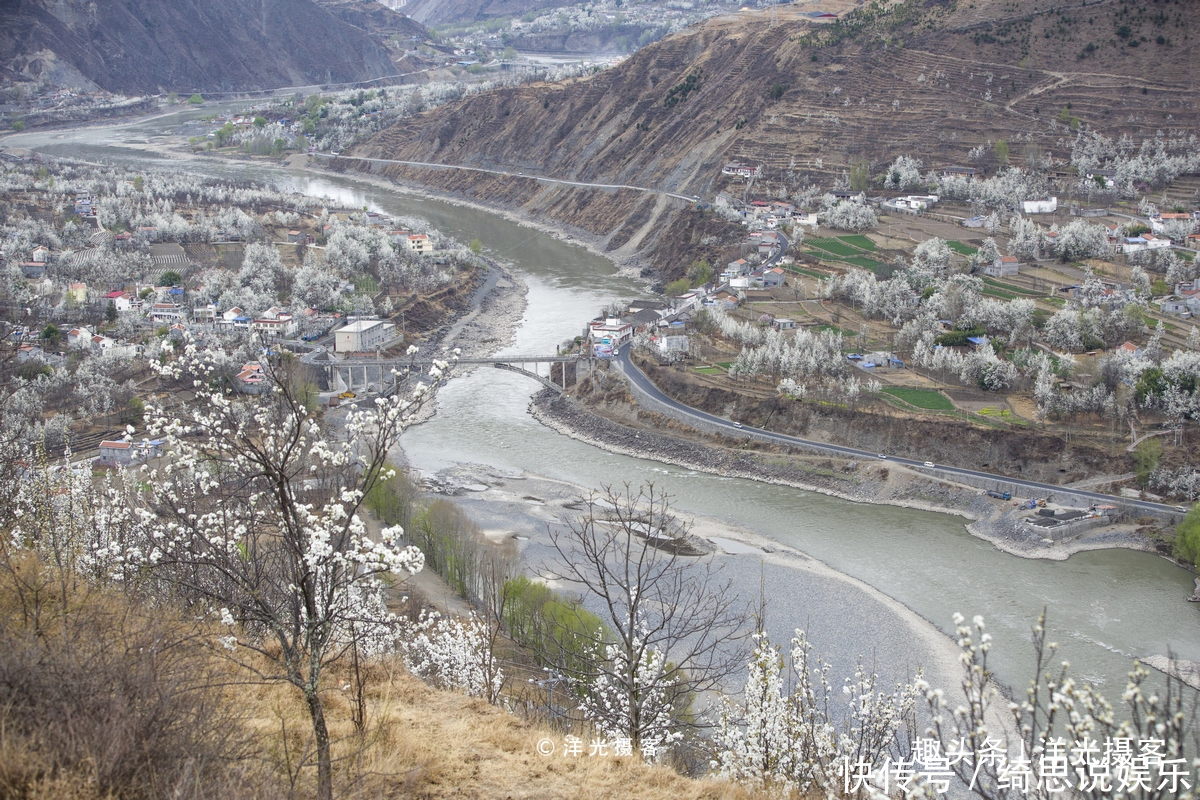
(833,246)
(921,398)
(962,248)
(849,249)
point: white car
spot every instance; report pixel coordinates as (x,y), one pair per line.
(737,424)
(929,463)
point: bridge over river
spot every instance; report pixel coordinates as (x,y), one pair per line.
(369,374)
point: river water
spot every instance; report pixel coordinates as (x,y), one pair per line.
(1105,607)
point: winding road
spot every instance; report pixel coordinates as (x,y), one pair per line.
(643,384)
(538,178)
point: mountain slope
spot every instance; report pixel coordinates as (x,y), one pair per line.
(137,46)
(806,101)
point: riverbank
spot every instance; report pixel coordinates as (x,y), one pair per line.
(843,616)
(637,433)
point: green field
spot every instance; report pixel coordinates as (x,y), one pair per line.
(859,241)
(810,273)
(962,248)
(834,246)
(921,398)
(864,262)
(836,329)
(1008,287)
(710,370)
(992,291)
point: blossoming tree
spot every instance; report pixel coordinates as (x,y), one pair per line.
(256,518)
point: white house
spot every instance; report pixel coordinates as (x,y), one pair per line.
(672,344)
(166,312)
(1002,266)
(40,254)
(1147,241)
(79,337)
(362,335)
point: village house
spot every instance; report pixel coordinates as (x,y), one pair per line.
(1002,266)
(783,324)
(1102,177)
(957,172)
(234,318)
(79,337)
(1158,221)
(250,379)
(643,320)
(101,344)
(274,323)
(669,345)
(772,278)
(420,243)
(610,331)
(1130,348)
(724,300)
(205,313)
(740,170)
(116,454)
(166,312)
(77,293)
(295,237)
(687,300)
(1147,241)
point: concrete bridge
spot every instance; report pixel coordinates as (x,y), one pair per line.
(375,374)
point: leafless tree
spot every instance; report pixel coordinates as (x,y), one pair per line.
(672,628)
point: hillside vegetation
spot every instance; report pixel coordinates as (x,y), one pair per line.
(809,101)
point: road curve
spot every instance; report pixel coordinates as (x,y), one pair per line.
(539,178)
(644,384)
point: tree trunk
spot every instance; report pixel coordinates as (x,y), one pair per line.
(321,736)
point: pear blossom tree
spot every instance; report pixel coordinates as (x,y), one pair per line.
(1050,740)
(799,740)
(257,515)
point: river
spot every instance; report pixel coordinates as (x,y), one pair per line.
(1105,607)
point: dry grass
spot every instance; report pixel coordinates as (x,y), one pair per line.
(103,697)
(426,743)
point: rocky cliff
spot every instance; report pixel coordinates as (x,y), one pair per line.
(135,46)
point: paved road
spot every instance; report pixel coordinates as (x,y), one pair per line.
(538,178)
(643,383)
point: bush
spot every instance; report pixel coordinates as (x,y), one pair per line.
(1187,537)
(560,632)
(101,693)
